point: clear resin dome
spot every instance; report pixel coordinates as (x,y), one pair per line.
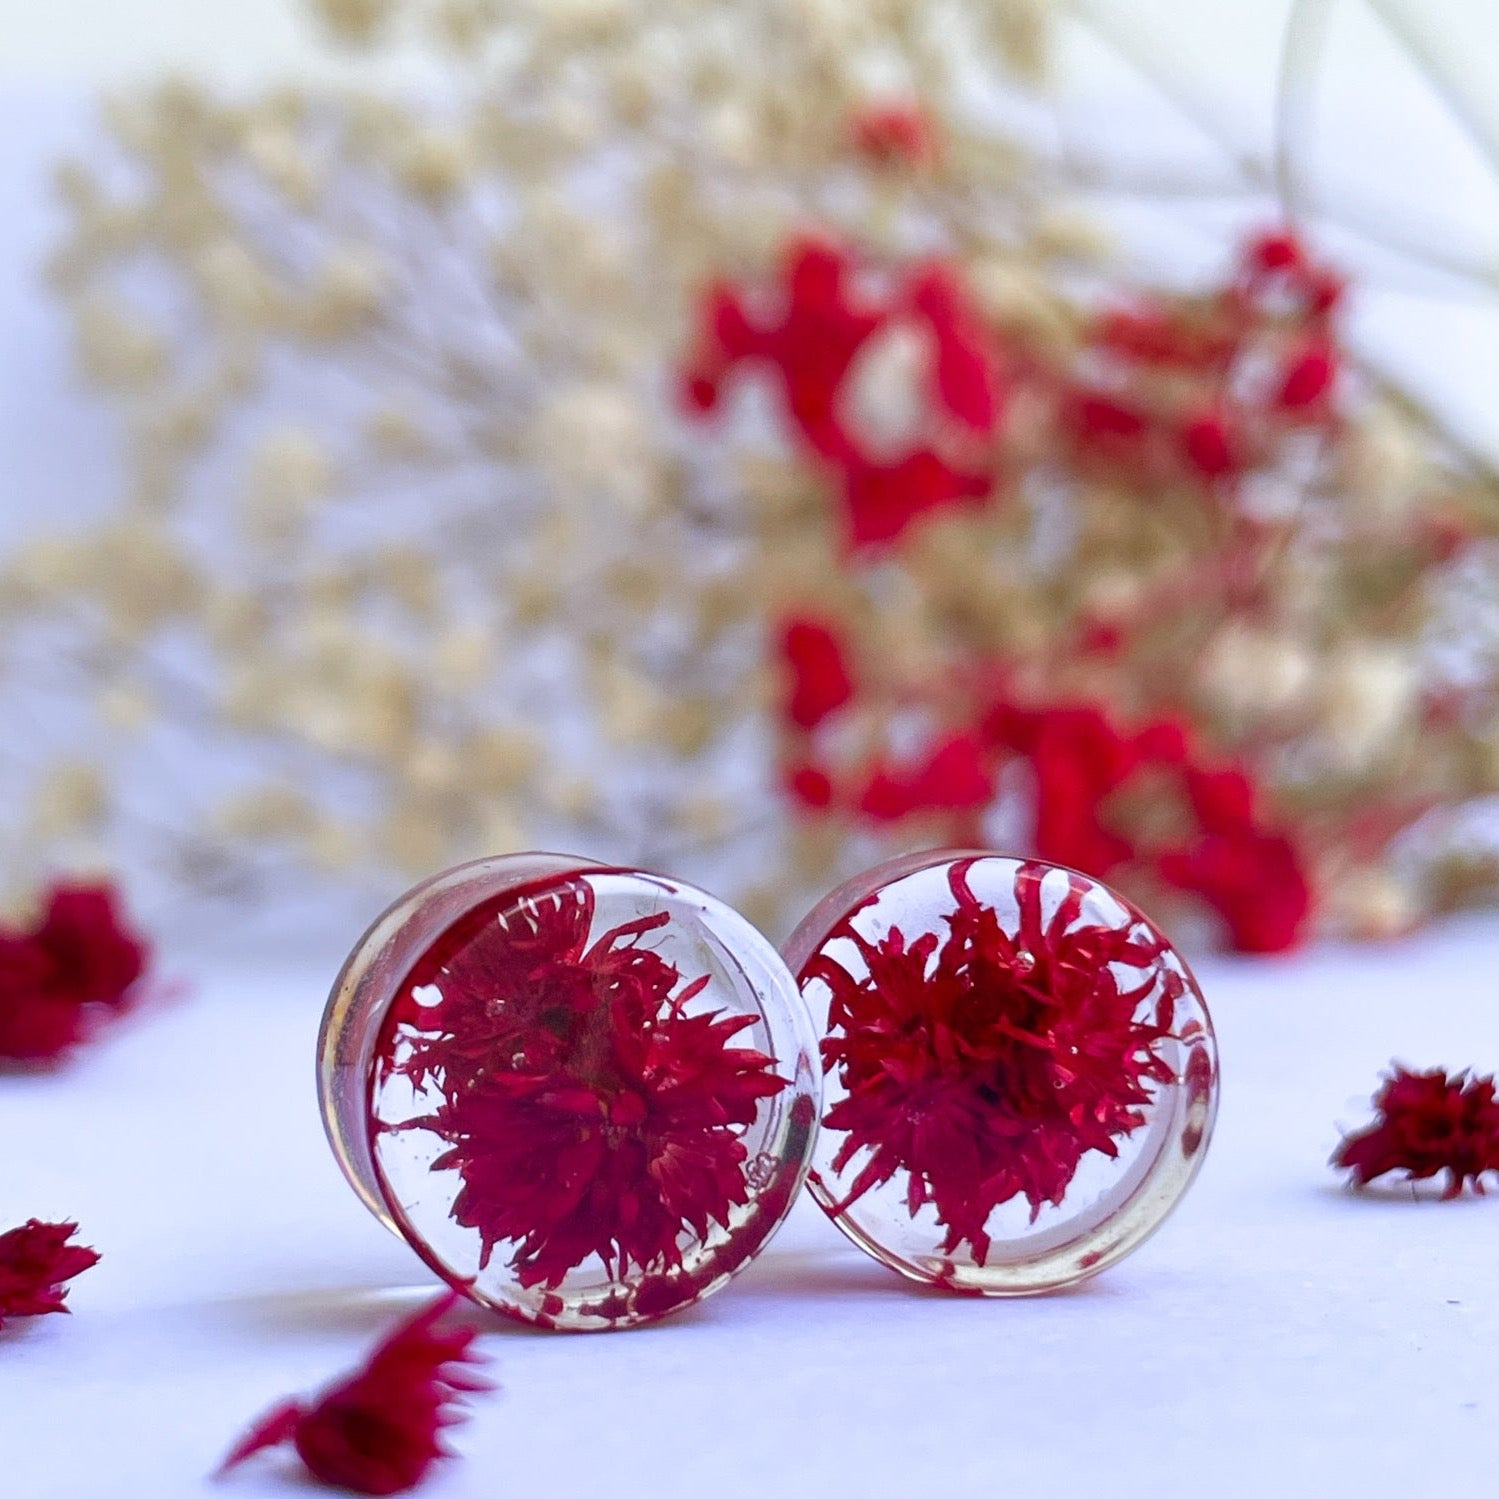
(1021,1076)
(585,1095)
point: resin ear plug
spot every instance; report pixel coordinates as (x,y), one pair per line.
(1021,1076)
(586,1096)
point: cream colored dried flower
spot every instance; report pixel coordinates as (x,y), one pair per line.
(290,473)
(71,797)
(1368,694)
(435,161)
(117,347)
(1249,672)
(356,21)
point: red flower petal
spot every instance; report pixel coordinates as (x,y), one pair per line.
(36,1025)
(1307,377)
(35,1261)
(1253,879)
(1274,250)
(1211,446)
(1155,335)
(953,775)
(884,500)
(1079,758)
(820,679)
(812,787)
(967,384)
(825,320)
(1428,1123)
(380,1430)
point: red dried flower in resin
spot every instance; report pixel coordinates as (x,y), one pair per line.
(586,1091)
(380,1430)
(1428,1123)
(36,1262)
(79,962)
(1012,1054)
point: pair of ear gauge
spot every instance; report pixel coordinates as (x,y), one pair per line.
(587,1096)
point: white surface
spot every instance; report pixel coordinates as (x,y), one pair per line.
(1279,1336)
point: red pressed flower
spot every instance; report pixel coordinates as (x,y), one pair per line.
(1428,1123)
(380,1430)
(820,679)
(35,1262)
(1307,377)
(591,1114)
(79,960)
(895,134)
(984,1065)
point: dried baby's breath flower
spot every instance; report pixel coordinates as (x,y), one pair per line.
(548,605)
(1368,694)
(356,21)
(117,347)
(71,797)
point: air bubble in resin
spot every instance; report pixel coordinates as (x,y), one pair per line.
(585,1095)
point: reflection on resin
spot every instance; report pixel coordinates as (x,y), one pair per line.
(1020,1072)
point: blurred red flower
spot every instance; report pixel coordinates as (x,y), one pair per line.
(81,960)
(820,678)
(826,317)
(380,1430)
(1427,1123)
(897,133)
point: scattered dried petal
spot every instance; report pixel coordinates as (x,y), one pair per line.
(80,961)
(380,1430)
(35,1262)
(1427,1123)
